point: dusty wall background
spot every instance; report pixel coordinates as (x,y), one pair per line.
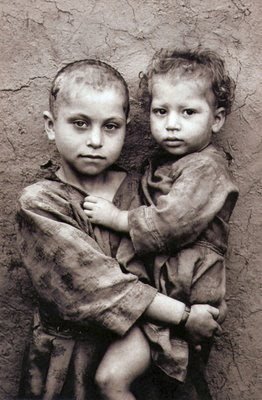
(37,38)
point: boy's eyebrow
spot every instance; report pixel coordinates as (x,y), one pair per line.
(78,115)
(84,116)
(116,117)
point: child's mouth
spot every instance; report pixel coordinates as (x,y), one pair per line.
(173,142)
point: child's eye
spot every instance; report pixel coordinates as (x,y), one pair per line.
(159,111)
(189,111)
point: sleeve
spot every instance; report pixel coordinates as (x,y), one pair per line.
(199,191)
(70,272)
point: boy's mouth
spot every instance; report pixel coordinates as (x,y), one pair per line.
(93,156)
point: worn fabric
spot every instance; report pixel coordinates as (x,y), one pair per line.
(80,274)
(188,203)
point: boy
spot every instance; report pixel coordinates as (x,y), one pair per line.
(85,299)
(188,195)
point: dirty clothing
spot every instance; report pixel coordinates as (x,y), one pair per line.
(188,203)
(80,274)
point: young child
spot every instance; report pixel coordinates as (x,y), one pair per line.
(187,191)
(86,297)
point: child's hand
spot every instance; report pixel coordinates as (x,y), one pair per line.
(201,322)
(100,211)
(103,212)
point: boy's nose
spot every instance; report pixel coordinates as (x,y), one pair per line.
(172,122)
(95,138)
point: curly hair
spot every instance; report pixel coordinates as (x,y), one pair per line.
(94,73)
(192,64)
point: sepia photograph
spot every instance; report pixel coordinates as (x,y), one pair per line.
(131,200)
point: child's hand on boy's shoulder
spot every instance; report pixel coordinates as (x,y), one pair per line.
(102,212)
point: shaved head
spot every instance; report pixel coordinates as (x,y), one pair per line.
(85,73)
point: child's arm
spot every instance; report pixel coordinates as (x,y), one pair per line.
(103,212)
(200,190)
(196,196)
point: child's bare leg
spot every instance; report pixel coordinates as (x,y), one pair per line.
(125,360)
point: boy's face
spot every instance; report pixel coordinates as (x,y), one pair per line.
(89,130)
(183,115)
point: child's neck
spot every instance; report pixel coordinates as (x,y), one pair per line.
(104,185)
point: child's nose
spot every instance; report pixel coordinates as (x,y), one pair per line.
(172,122)
(95,138)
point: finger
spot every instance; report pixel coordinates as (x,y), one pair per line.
(88,213)
(218,331)
(91,199)
(88,206)
(222,313)
(214,312)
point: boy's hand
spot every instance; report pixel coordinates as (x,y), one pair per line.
(103,212)
(222,312)
(201,323)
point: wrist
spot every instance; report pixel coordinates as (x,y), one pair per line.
(185,316)
(122,221)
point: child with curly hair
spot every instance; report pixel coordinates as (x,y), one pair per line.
(188,196)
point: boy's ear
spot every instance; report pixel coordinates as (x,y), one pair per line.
(128,120)
(219,119)
(49,124)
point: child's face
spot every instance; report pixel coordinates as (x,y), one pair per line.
(183,115)
(89,130)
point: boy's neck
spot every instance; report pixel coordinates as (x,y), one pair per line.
(104,185)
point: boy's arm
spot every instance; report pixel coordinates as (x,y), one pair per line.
(69,270)
(197,195)
(199,321)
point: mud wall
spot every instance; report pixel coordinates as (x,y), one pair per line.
(40,36)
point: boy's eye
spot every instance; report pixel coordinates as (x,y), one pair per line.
(80,123)
(159,111)
(189,111)
(111,127)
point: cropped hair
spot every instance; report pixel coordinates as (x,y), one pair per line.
(94,73)
(191,64)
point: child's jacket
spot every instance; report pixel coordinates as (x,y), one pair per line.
(83,294)
(185,222)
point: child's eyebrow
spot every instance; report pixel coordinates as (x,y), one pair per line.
(159,103)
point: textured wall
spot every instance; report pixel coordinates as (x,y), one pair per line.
(37,37)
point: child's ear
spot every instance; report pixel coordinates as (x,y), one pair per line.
(128,120)
(219,119)
(49,125)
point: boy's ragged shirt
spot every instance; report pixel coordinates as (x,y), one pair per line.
(75,268)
